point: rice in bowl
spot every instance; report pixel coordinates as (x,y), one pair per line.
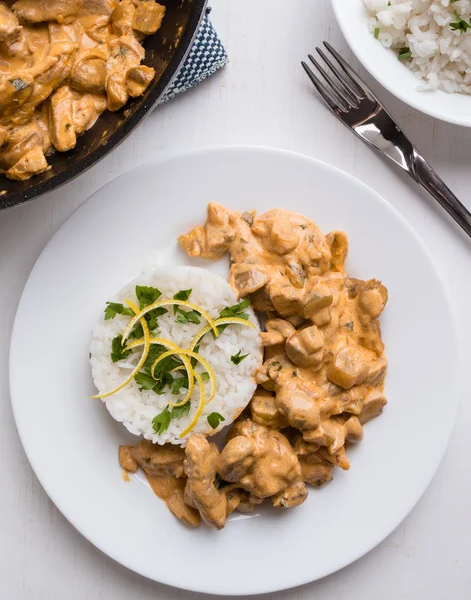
(235,383)
(431,37)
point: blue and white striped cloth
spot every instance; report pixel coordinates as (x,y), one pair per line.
(206,56)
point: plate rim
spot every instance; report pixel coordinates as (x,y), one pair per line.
(376,73)
(289,155)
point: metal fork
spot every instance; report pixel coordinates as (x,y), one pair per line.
(353,102)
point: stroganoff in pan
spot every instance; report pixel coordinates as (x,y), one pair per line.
(62,63)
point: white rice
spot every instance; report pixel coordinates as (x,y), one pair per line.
(235,383)
(441,57)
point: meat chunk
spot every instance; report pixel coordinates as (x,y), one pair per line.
(338,243)
(300,404)
(286,299)
(277,331)
(377,371)
(317,298)
(315,470)
(334,432)
(348,368)
(259,460)
(372,406)
(265,411)
(32,163)
(201,467)
(87,109)
(305,347)
(89,76)
(176,503)
(116,91)
(10,29)
(38,11)
(372,299)
(138,80)
(246,278)
(292,496)
(126,459)
(278,234)
(159,460)
(148,17)
(97,7)
(122,17)
(61,119)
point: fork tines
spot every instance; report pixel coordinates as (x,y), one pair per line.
(342,92)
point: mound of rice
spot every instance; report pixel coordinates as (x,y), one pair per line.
(430,37)
(235,383)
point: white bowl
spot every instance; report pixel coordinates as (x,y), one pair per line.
(384,66)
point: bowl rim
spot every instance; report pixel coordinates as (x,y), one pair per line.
(378,74)
(142,112)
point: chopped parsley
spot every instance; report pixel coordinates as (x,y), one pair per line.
(460,25)
(147,295)
(114,308)
(181,411)
(161,421)
(145,380)
(178,383)
(187,316)
(237,358)
(214,419)
(182,295)
(404,54)
(118,351)
(237,310)
(376,33)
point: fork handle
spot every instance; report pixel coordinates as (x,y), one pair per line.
(425,176)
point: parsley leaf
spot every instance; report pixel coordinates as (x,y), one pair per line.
(161,421)
(155,351)
(214,419)
(137,332)
(118,351)
(178,383)
(147,295)
(205,376)
(235,310)
(145,380)
(237,358)
(189,316)
(152,316)
(181,411)
(404,53)
(182,295)
(114,308)
(461,25)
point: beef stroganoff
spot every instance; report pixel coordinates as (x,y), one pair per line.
(321,378)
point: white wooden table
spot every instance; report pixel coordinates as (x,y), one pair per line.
(263,98)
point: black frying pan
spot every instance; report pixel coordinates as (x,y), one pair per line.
(163,52)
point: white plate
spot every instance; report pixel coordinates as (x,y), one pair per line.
(72,442)
(384,66)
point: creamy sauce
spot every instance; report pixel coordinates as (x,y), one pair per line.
(62,63)
(164,486)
